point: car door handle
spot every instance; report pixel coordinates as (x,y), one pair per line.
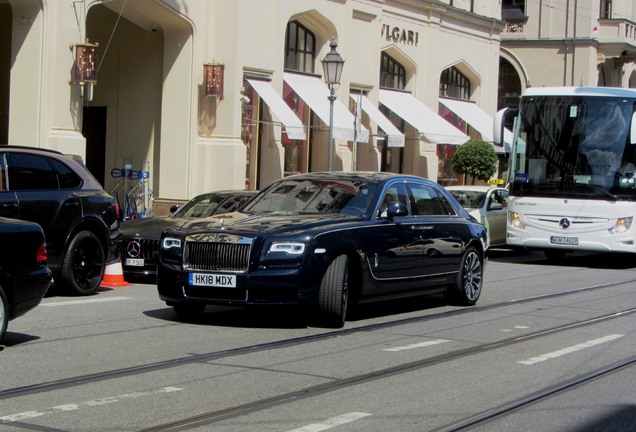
(422,227)
(10,205)
(71,204)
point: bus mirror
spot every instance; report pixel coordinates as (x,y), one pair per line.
(503,118)
(632,131)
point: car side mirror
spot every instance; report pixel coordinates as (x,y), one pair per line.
(174,208)
(495,206)
(395,209)
(632,131)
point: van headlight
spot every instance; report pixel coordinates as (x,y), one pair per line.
(622,225)
(514,220)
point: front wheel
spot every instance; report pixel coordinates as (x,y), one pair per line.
(555,255)
(333,296)
(84,264)
(4,313)
(467,287)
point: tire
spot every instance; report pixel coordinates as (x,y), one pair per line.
(4,313)
(83,265)
(333,296)
(189,311)
(467,287)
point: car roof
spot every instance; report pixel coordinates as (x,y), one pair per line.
(74,161)
(474,188)
(370,176)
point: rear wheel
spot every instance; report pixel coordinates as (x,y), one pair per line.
(84,264)
(4,313)
(333,296)
(467,287)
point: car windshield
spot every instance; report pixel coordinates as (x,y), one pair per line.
(469,198)
(206,205)
(307,196)
(574,147)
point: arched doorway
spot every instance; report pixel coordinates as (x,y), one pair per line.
(144,87)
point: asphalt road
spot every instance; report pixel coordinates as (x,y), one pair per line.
(548,348)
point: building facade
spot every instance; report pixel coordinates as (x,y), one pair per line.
(566,43)
(207,95)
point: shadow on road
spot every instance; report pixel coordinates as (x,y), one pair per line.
(618,261)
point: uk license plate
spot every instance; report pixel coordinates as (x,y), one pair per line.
(134,262)
(564,240)
(212,280)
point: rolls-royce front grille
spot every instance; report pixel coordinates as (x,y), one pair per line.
(230,255)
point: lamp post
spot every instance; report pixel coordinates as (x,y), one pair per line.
(332,66)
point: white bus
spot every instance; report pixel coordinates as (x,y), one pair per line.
(572,170)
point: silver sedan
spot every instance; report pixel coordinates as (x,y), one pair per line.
(489,205)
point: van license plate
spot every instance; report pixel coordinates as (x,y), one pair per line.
(564,240)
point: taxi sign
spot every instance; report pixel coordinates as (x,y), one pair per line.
(495,181)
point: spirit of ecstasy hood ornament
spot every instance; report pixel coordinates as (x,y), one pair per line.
(222,221)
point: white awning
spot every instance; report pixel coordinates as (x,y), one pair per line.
(430,125)
(316,94)
(476,117)
(479,120)
(395,137)
(293,125)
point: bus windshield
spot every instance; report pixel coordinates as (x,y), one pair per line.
(572,146)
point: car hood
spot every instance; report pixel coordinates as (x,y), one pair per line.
(149,228)
(255,224)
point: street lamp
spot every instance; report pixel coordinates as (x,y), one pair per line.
(332,66)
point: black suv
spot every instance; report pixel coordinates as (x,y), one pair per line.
(80,220)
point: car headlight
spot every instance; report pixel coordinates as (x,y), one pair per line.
(514,219)
(170,242)
(622,225)
(291,248)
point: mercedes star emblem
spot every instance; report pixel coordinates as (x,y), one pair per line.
(565,223)
(134,249)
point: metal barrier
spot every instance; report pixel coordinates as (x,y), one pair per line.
(134,189)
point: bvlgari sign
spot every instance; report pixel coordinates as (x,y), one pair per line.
(399,35)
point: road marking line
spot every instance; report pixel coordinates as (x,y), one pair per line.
(417,345)
(75,406)
(570,349)
(332,422)
(77,302)
(517,327)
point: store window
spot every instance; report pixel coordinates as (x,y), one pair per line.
(452,84)
(392,76)
(300,56)
(392,73)
(300,48)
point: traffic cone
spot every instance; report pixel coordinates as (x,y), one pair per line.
(114,276)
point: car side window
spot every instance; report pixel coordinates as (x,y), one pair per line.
(499,197)
(30,172)
(3,173)
(428,201)
(67,178)
(396,192)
